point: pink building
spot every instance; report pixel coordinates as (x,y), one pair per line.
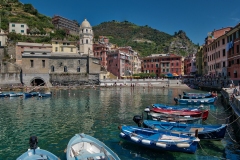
(20,46)
(215,48)
(119,63)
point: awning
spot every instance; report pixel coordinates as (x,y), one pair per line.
(169,75)
(175,74)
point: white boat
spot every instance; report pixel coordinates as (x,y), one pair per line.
(84,147)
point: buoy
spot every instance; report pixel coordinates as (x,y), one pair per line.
(134,138)
(159,144)
(146,142)
(183,145)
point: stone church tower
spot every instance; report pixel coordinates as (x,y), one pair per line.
(86,38)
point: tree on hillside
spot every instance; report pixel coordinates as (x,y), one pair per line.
(30,9)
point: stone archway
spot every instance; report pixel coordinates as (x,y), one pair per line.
(37,82)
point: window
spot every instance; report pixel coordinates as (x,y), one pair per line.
(223,64)
(78,69)
(52,68)
(22,31)
(13,30)
(62,49)
(172,64)
(79,61)
(71,49)
(32,53)
(86,41)
(237,61)
(156,65)
(223,41)
(31,63)
(43,63)
(22,26)
(56,42)
(56,49)
(237,48)
(65,69)
(13,25)
(82,41)
(44,53)
(224,52)
(86,30)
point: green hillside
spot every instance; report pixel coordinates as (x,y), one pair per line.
(145,39)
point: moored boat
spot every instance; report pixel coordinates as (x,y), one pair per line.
(83,147)
(196,95)
(195,101)
(159,140)
(206,132)
(30,94)
(35,153)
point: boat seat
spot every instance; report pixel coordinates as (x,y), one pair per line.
(85,156)
(192,129)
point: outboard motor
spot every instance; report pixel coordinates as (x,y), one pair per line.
(147,109)
(33,141)
(175,99)
(180,96)
(138,120)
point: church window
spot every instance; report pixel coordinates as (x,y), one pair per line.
(86,30)
(87,41)
(52,68)
(78,69)
(32,64)
(65,69)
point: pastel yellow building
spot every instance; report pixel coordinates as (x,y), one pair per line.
(64,46)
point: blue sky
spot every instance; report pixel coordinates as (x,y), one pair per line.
(195,17)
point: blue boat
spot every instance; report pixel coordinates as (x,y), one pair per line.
(5,94)
(30,94)
(195,101)
(175,107)
(17,94)
(205,132)
(48,94)
(196,95)
(36,153)
(159,140)
(83,147)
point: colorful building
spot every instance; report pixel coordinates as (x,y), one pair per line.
(160,64)
(233,53)
(64,46)
(21,28)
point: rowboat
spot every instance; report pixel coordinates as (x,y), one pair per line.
(177,107)
(196,95)
(205,132)
(18,94)
(173,118)
(83,147)
(159,140)
(36,153)
(203,114)
(195,101)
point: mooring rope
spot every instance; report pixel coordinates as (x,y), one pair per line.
(208,154)
(231,137)
(219,118)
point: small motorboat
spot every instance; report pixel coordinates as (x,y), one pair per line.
(36,153)
(195,101)
(196,95)
(179,112)
(173,118)
(206,132)
(83,147)
(177,107)
(160,140)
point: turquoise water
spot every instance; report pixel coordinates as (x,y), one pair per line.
(97,112)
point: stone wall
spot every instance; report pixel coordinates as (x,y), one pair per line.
(28,78)
(66,79)
(9,79)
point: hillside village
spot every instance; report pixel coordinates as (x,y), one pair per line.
(67,53)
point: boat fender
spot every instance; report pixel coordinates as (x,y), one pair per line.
(135,139)
(138,120)
(146,142)
(122,134)
(147,109)
(159,144)
(183,145)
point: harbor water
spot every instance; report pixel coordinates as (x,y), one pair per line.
(98,112)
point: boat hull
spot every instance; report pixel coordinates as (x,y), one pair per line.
(195,101)
(205,132)
(37,154)
(83,146)
(155,139)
